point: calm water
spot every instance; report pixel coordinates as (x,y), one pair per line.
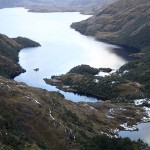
(143,133)
(62,47)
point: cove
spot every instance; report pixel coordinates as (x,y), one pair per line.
(143,133)
(62,47)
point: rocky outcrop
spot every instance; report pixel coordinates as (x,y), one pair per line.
(9,49)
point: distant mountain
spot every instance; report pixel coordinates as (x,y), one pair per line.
(5,3)
(126,22)
(84,6)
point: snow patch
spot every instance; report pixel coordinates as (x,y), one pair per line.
(116,131)
(93,108)
(109,135)
(50,113)
(113,82)
(147,111)
(111,111)
(126,71)
(37,102)
(122,109)
(109,116)
(8,86)
(103,74)
(129,128)
(96,81)
(139,102)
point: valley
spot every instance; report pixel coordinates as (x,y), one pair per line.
(43,114)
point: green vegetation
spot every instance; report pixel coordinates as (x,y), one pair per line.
(9,49)
(13,135)
(32,118)
(57,120)
(25,42)
(87,70)
(84,69)
(114,87)
(139,70)
(106,143)
(125,22)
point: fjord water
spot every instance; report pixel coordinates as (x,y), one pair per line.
(143,133)
(61,47)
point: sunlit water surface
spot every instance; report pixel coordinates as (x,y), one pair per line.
(62,48)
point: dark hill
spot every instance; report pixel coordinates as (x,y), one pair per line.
(84,6)
(126,22)
(9,49)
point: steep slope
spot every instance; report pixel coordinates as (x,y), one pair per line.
(32,118)
(9,49)
(126,22)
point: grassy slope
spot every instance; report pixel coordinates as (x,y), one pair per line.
(126,22)
(32,118)
(26,124)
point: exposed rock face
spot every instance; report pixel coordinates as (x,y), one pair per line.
(126,22)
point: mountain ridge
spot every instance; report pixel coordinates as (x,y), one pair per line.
(125,22)
(83,6)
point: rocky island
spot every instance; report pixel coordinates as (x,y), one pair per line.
(67,125)
(82,80)
(33,118)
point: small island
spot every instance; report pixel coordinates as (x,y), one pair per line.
(83,80)
(36,69)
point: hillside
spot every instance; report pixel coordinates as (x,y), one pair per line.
(126,22)
(84,6)
(8,3)
(36,119)
(33,118)
(9,49)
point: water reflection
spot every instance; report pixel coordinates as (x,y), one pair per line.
(143,133)
(62,47)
